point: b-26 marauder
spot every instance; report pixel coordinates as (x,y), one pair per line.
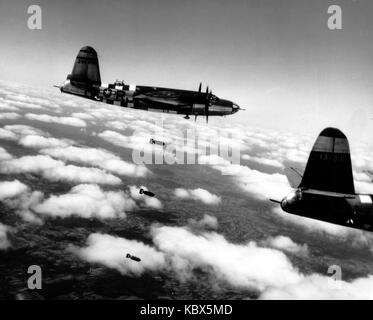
(85,81)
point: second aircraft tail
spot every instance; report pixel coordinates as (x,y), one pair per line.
(329,165)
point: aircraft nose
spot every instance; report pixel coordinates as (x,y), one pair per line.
(284,204)
(235,107)
(291,201)
(287,205)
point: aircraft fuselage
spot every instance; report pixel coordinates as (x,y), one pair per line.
(153,98)
(355,210)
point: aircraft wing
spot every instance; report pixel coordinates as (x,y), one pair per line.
(171,102)
(170,98)
(294,176)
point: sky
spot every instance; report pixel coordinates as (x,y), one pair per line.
(277,59)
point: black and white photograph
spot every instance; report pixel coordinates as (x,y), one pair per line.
(200,150)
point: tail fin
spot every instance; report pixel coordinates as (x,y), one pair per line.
(329,165)
(85,78)
(86,70)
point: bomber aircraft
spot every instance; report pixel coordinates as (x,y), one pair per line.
(325,191)
(85,81)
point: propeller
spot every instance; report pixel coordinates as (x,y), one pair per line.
(207,100)
(207,103)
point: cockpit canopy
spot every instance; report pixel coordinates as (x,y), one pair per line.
(214,98)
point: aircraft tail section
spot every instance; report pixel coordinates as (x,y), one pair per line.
(85,77)
(329,165)
(86,70)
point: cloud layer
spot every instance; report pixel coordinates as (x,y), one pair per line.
(198,194)
(90,149)
(87,201)
(266,271)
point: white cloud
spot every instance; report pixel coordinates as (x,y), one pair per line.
(119,125)
(56,170)
(4,155)
(286,244)
(7,135)
(27,98)
(262,160)
(36,141)
(245,265)
(24,105)
(97,157)
(26,135)
(24,204)
(9,116)
(318,287)
(133,142)
(149,202)
(7,107)
(261,185)
(87,201)
(70,121)
(23,130)
(30,164)
(124,168)
(179,250)
(206,222)
(18,196)
(198,194)
(91,156)
(81,115)
(10,189)
(78,174)
(111,251)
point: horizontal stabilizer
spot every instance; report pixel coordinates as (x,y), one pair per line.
(294,176)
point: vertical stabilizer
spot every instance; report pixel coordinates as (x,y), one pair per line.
(329,165)
(86,71)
